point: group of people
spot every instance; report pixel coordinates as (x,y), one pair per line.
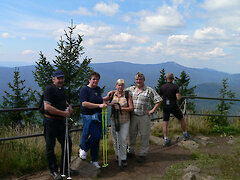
(131,115)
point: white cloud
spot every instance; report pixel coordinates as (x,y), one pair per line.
(126,18)
(126,37)
(210,33)
(178,40)
(92,31)
(213,5)
(108,10)
(166,20)
(7,35)
(28,51)
(155,48)
(82,11)
(217,52)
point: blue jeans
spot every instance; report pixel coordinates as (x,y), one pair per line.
(91,135)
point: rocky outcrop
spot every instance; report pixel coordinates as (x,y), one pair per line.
(84,168)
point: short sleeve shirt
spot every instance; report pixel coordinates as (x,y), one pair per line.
(92,95)
(142,102)
(55,97)
(168,93)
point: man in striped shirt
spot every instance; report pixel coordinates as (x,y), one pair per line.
(143,97)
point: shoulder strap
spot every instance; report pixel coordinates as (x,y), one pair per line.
(111,98)
(126,96)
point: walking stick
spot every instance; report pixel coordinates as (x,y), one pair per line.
(66,148)
(104,131)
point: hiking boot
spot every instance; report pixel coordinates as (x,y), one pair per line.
(186,136)
(124,163)
(167,142)
(131,155)
(82,154)
(141,159)
(56,175)
(95,163)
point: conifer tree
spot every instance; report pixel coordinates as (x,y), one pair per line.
(222,107)
(76,73)
(183,83)
(161,80)
(20,97)
(43,72)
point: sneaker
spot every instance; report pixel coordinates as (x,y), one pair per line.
(141,159)
(131,155)
(95,163)
(124,163)
(56,175)
(167,142)
(186,136)
(82,154)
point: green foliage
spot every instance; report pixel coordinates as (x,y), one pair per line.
(21,158)
(161,80)
(219,124)
(227,130)
(183,82)
(19,98)
(43,72)
(223,107)
(76,73)
(69,51)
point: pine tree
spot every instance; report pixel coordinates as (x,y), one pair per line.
(223,107)
(183,82)
(43,72)
(161,80)
(19,98)
(69,51)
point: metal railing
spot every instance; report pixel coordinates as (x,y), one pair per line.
(32,135)
(153,119)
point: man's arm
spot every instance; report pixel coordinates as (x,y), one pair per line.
(52,110)
(154,108)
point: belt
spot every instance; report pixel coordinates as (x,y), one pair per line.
(53,117)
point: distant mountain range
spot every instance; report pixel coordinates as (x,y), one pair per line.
(208,81)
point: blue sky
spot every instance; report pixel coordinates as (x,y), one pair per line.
(193,33)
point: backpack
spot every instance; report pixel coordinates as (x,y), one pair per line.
(41,104)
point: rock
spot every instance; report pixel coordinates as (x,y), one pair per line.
(204,138)
(84,168)
(231,141)
(208,178)
(157,140)
(189,176)
(192,169)
(189,144)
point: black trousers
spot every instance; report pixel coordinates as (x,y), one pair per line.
(55,129)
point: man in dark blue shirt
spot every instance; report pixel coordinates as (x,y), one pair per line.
(170,94)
